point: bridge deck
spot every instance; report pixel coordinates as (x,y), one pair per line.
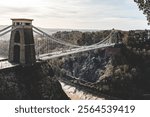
(5,64)
(71,51)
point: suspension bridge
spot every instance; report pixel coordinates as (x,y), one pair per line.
(29,44)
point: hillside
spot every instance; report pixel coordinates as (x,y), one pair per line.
(122,71)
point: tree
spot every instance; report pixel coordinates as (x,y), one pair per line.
(144,5)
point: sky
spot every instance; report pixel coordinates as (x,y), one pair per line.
(75,14)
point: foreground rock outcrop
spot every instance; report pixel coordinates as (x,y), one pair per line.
(30,83)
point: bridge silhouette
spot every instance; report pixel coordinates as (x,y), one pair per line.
(26,49)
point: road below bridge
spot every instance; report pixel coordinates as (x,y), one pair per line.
(78,94)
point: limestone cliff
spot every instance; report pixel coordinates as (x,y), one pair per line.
(30,83)
(122,71)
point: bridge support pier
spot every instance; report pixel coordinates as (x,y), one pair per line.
(21,48)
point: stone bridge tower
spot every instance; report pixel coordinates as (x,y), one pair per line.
(21,48)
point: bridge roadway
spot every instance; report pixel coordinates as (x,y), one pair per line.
(48,56)
(5,64)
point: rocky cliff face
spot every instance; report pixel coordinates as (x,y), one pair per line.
(31,82)
(122,71)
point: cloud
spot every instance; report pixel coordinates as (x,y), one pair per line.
(76,13)
(7,10)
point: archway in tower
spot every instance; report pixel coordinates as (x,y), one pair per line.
(17,54)
(17,37)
